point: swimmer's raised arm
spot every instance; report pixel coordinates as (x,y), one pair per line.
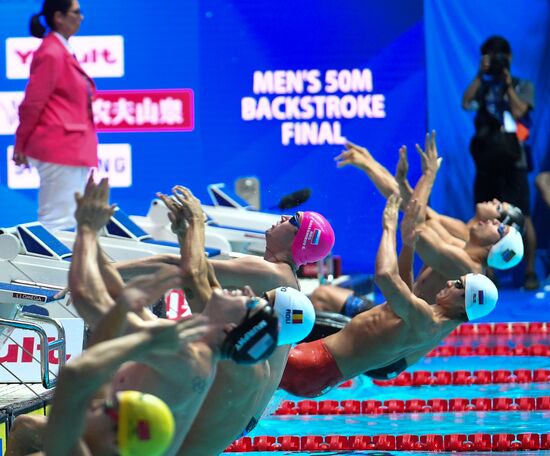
(89,293)
(260,275)
(361,158)
(80,380)
(401,176)
(409,237)
(398,295)
(187,220)
(449,260)
(430,165)
(130,269)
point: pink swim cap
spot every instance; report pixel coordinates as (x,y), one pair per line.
(313,240)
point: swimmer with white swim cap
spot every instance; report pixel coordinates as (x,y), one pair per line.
(175,361)
(385,340)
(489,241)
(304,237)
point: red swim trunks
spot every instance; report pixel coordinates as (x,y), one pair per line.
(310,370)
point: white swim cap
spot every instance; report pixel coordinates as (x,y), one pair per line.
(481,296)
(507,252)
(296,315)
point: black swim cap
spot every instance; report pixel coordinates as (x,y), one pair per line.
(256,336)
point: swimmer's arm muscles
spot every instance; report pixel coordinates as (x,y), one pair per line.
(79,381)
(387,277)
(455,227)
(194,266)
(382,179)
(398,295)
(449,260)
(88,291)
(406,259)
(111,277)
(132,268)
(444,234)
(260,275)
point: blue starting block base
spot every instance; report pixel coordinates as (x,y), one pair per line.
(361,284)
(11,293)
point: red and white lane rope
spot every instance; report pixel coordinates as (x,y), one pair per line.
(489,350)
(463,377)
(386,442)
(502,329)
(391,406)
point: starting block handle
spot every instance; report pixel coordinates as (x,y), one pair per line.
(45,347)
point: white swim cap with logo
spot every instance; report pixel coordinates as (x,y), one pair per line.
(296,315)
(481,296)
(507,252)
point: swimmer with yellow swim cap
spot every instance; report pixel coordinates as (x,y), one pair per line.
(145,424)
(174,361)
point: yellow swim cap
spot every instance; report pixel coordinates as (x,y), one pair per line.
(145,424)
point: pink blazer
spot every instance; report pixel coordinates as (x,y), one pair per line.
(56,120)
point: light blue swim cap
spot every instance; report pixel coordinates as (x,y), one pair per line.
(507,252)
(481,296)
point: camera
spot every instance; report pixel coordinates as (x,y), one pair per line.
(497,63)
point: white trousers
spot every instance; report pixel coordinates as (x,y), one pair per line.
(58,184)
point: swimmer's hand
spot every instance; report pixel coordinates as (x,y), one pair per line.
(353,155)
(430,160)
(192,206)
(401,172)
(93,208)
(178,223)
(391,211)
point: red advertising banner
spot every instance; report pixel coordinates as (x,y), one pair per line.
(144,110)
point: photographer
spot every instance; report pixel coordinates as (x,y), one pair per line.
(500,146)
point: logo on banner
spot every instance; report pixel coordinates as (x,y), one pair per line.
(9,114)
(115,163)
(144,110)
(99,56)
(121,111)
(29,297)
(21,354)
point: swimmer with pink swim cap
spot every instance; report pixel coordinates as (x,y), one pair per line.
(314,239)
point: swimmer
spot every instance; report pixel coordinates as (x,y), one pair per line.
(243,328)
(392,336)
(383,180)
(489,242)
(240,393)
(88,417)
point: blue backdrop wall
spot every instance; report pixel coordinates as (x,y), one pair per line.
(418,55)
(215,49)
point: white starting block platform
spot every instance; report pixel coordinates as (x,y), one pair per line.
(230,223)
(122,239)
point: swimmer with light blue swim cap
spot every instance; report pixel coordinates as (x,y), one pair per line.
(481,296)
(508,251)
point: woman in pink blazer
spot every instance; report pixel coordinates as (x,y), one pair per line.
(56,132)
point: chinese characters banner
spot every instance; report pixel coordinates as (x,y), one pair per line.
(144,110)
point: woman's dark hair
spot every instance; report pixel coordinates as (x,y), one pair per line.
(495,45)
(49,8)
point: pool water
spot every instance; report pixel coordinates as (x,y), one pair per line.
(441,423)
